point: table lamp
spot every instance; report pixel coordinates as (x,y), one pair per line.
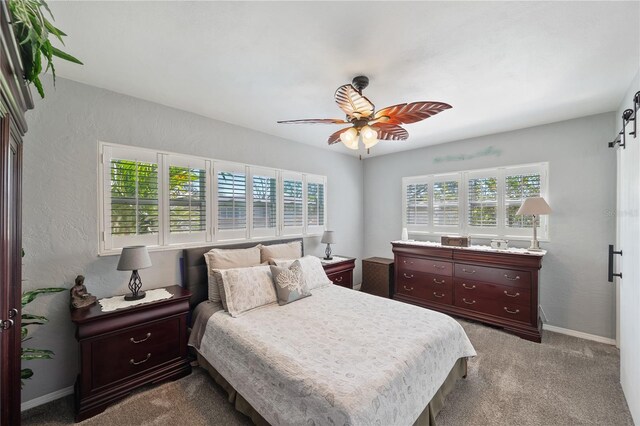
(131,259)
(327,238)
(534,206)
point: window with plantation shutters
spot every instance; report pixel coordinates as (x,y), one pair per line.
(231,193)
(292,204)
(417,205)
(482,202)
(264,202)
(315,204)
(446,202)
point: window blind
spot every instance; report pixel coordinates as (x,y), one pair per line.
(292,203)
(187,200)
(264,202)
(134,197)
(417,204)
(517,188)
(315,204)
(232,200)
(482,202)
(446,203)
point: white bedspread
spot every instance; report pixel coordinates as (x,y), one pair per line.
(339,357)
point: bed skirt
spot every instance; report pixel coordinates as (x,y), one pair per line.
(426,418)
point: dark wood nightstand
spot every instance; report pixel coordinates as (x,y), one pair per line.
(124,349)
(340,270)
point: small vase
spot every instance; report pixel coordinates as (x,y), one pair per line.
(405,234)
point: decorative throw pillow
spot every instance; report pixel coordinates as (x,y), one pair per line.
(312,270)
(292,250)
(290,285)
(218,259)
(247,288)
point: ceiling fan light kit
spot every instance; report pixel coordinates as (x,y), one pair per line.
(370,126)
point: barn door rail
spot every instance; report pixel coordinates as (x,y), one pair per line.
(628,115)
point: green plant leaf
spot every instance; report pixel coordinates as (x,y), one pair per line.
(23,334)
(30,354)
(26,373)
(28,319)
(29,296)
(62,55)
(53,30)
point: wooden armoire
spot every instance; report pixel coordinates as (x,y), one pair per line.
(15,100)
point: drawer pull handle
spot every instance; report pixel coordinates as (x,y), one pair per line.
(469,303)
(338,280)
(438,282)
(132,362)
(438,266)
(141,340)
(438,295)
(409,262)
(511,295)
(511,312)
(467,287)
(473,271)
(511,278)
(407,276)
(407,288)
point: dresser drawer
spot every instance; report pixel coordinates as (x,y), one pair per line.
(507,277)
(423,286)
(406,263)
(134,350)
(344,278)
(503,294)
(493,307)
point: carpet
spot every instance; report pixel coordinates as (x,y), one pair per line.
(562,381)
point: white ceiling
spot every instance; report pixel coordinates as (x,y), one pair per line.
(502,65)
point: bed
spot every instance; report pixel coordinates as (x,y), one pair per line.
(337,357)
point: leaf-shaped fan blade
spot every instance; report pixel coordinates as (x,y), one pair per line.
(390,132)
(410,113)
(315,121)
(352,102)
(335,138)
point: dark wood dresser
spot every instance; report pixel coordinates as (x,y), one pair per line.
(124,349)
(494,287)
(340,271)
(377,276)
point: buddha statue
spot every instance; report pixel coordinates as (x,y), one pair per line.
(80,297)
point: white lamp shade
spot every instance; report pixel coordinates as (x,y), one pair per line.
(534,206)
(134,258)
(350,138)
(369,136)
(327,238)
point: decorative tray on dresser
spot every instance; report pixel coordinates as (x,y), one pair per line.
(498,287)
(340,270)
(127,348)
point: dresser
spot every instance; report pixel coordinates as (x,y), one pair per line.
(127,348)
(497,287)
(340,270)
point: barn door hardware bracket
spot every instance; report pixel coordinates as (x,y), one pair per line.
(611,274)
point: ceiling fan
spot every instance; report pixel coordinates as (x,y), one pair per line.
(366,123)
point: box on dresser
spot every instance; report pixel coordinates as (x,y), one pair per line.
(127,348)
(491,286)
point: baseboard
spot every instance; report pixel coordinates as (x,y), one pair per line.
(579,334)
(32,403)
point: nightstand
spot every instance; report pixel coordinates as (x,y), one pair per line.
(127,348)
(340,270)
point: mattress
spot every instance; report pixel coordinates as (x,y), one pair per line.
(337,357)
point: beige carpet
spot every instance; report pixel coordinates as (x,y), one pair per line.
(563,381)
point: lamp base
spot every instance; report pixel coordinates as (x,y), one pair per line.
(131,296)
(328,258)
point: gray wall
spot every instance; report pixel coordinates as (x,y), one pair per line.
(61,206)
(574,291)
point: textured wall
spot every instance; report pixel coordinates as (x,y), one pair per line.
(574,291)
(61,205)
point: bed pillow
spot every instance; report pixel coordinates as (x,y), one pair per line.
(312,270)
(247,288)
(289,282)
(218,259)
(292,250)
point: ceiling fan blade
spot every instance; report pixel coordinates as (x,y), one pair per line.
(390,132)
(315,121)
(335,138)
(353,103)
(410,113)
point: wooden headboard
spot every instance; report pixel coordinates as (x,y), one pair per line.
(194,268)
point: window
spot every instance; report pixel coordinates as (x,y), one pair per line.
(231,191)
(163,199)
(481,203)
(315,204)
(264,198)
(292,204)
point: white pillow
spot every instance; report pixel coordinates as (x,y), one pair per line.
(248,288)
(292,250)
(219,258)
(312,271)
